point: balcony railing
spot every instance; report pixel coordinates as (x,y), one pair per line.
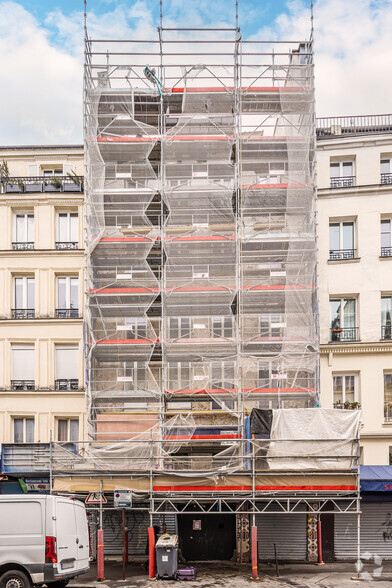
(67,384)
(346,334)
(33,184)
(341,254)
(386,251)
(67,313)
(22,385)
(346,182)
(388,412)
(67,245)
(22,246)
(386,331)
(386,178)
(344,125)
(22,313)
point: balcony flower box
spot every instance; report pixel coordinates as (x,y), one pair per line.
(35,187)
(16,188)
(348,405)
(72,187)
(53,185)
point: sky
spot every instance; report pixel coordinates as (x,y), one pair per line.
(41,53)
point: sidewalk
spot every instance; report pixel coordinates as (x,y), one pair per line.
(227,574)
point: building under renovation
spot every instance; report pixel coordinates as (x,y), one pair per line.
(201,333)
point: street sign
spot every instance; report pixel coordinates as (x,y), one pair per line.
(95,498)
(123,499)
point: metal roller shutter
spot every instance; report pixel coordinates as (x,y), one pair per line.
(374,525)
(287,531)
(112,528)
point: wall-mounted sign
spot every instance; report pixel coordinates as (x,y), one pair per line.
(197,525)
(95,498)
(122,498)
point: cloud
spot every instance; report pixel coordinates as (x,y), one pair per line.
(42,63)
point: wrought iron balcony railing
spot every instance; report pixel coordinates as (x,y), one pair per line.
(28,184)
(67,313)
(22,313)
(345,125)
(386,331)
(386,178)
(388,412)
(22,246)
(22,385)
(67,245)
(386,251)
(341,254)
(346,182)
(67,384)
(346,334)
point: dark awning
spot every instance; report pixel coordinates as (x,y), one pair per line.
(376,478)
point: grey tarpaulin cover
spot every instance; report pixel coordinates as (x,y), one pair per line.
(309,438)
(260,421)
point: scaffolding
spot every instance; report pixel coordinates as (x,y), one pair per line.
(201,294)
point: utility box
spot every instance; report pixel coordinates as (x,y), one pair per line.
(167,557)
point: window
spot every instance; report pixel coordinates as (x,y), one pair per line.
(222,326)
(388,397)
(67,297)
(24,298)
(390,455)
(67,230)
(268,377)
(385,168)
(23,230)
(343,319)
(180,327)
(342,174)
(222,375)
(22,357)
(58,171)
(272,325)
(179,375)
(341,240)
(23,430)
(67,367)
(67,429)
(386,314)
(386,249)
(137,328)
(345,390)
(135,376)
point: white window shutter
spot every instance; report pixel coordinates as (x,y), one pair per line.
(68,168)
(67,363)
(22,363)
(32,169)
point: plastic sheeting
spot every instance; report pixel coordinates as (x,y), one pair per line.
(307,439)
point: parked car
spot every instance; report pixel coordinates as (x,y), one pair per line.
(43,540)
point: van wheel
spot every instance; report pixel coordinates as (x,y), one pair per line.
(58,584)
(15,579)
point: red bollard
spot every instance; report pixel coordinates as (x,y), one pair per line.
(255,575)
(319,544)
(100,564)
(151,553)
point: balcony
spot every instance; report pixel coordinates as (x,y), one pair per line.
(67,313)
(20,246)
(341,254)
(386,178)
(386,252)
(347,405)
(64,245)
(346,182)
(386,331)
(22,385)
(388,412)
(331,127)
(343,335)
(22,313)
(32,457)
(37,184)
(67,384)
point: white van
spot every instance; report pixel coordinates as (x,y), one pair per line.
(43,540)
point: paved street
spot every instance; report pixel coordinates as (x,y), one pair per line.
(211,575)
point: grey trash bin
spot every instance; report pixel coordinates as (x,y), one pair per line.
(166,551)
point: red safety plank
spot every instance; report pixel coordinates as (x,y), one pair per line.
(325,487)
(187,437)
(126,341)
(125,239)
(273,89)
(202,238)
(122,290)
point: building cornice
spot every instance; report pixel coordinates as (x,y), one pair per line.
(354,191)
(349,348)
(347,141)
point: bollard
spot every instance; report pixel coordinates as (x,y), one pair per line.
(100,556)
(151,553)
(254,554)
